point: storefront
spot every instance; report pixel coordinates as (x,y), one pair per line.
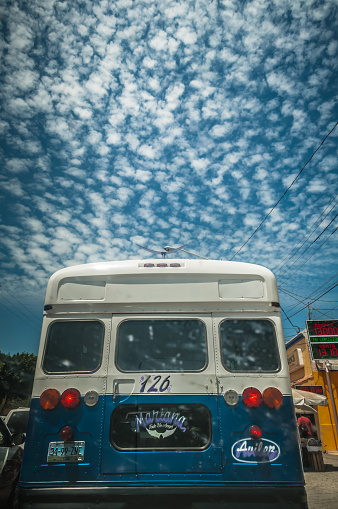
(316,377)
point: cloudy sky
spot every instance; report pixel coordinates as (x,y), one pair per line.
(166,123)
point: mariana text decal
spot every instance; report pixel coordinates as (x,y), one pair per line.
(248,450)
(160,424)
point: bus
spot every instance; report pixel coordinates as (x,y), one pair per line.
(162,382)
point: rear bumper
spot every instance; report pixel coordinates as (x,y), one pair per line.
(177,497)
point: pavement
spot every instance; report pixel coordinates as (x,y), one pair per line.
(322,487)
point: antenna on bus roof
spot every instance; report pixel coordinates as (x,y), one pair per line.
(168,248)
(163,253)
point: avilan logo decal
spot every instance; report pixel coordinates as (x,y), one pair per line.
(160,424)
(248,450)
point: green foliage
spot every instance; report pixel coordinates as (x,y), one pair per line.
(16,378)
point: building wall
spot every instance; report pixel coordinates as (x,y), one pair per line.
(304,371)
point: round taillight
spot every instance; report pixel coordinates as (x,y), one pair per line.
(255,432)
(70,398)
(272,397)
(50,399)
(252,397)
(66,433)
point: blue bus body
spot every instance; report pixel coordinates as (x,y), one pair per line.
(165,413)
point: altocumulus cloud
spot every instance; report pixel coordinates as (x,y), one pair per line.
(134,122)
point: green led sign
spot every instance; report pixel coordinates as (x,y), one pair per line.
(323,338)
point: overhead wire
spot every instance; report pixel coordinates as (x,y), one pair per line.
(312,294)
(29,316)
(315,300)
(280,199)
(322,314)
(290,295)
(286,279)
(288,257)
(294,326)
(21,317)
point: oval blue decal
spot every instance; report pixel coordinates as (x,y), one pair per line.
(248,450)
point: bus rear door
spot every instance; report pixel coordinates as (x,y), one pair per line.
(161,411)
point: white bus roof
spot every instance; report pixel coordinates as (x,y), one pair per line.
(144,283)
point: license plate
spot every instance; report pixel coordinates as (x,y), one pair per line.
(65,452)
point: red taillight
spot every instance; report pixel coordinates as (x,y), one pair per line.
(272,397)
(50,399)
(252,397)
(66,433)
(70,398)
(255,432)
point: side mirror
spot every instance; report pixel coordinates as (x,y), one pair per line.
(18,438)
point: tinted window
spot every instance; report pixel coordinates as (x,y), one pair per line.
(249,345)
(160,426)
(74,346)
(161,345)
(4,435)
(18,422)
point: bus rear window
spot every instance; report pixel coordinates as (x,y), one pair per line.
(249,345)
(74,346)
(160,426)
(161,345)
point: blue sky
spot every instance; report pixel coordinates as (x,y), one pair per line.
(166,123)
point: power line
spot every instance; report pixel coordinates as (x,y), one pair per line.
(312,294)
(300,256)
(322,285)
(315,300)
(296,248)
(327,238)
(20,316)
(280,199)
(21,305)
(325,228)
(294,326)
(290,295)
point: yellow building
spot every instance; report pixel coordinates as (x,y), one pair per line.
(305,371)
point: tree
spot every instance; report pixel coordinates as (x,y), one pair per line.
(16,376)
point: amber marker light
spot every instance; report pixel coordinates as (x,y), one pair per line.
(272,397)
(50,399)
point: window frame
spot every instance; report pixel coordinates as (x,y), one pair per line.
(253,372)
(162,318)
(47,338)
